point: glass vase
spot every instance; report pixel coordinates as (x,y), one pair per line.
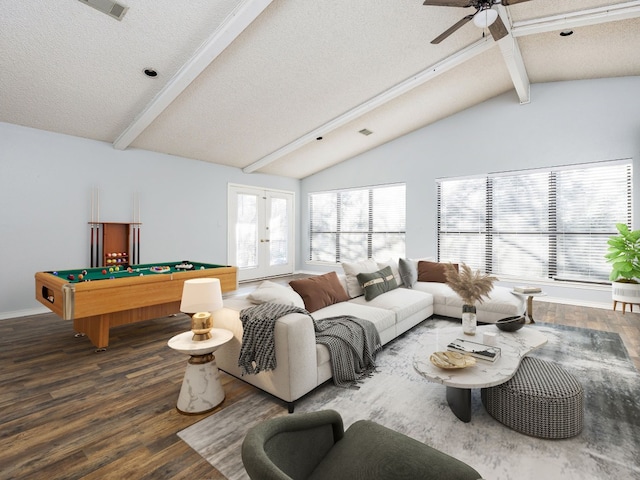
(469,321)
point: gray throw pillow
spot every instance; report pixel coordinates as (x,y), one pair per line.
(408,272)
(377,283)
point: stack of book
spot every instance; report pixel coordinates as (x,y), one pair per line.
(477,350)
(527,289)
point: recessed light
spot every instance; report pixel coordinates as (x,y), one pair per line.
(365,131)
(150,72)
(566,33)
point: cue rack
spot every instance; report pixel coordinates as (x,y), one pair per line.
(114,243)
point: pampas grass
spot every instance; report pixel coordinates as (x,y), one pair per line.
(471,286)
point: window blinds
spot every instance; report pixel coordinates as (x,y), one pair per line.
(542,224)
(356,224)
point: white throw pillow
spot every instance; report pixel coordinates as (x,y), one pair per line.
(394,269)
(271,292)
(351,271)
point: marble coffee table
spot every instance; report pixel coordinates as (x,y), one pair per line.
(514,346)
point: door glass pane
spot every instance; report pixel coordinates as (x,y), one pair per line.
(278,232)
(247,231)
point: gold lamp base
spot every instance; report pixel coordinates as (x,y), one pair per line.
(201,325)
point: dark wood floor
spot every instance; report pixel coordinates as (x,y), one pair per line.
(67,412)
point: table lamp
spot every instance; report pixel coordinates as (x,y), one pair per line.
(200,297)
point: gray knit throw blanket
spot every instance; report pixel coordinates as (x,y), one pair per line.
(258,353)
(352,342)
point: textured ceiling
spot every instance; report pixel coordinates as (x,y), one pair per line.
(252,84)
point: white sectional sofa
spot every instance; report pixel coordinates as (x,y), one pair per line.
(302,365)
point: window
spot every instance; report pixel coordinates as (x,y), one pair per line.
(356,224)
(536,224)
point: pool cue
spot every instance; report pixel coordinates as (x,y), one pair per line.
(91,229)
(138,244)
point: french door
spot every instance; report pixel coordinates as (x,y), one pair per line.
(261,226)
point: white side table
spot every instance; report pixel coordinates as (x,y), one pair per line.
(530,297)
(201,389)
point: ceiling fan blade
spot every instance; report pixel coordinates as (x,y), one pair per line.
(506,3)
(497,29)
(449,3)
(451,29)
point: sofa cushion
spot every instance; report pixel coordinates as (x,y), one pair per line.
(432,271)
(377,283)
(408,270)
(380,317)
(401,301)
(394,269)
(320,291)
(440,291)
(500,300)
(351,271)
(271,292)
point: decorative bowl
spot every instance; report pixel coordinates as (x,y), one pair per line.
(451,360)
(511,324)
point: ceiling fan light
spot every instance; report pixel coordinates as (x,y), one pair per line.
(485,17)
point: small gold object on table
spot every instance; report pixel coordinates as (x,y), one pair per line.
(451,360)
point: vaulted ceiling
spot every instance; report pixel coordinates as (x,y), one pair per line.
(254,84)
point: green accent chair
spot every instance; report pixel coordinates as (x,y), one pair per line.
(315,446)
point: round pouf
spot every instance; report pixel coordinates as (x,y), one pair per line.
(541,400)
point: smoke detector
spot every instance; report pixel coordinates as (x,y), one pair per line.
(111,8)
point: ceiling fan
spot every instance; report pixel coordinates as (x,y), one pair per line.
(484,17)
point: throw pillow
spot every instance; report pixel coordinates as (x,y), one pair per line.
(351,271)
(271,292)
(432,271)
(394,269)
(408,271)
(320,291)
(377,283)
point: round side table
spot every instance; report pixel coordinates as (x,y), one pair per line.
(201,389)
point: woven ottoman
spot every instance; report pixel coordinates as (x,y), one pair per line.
(541,400)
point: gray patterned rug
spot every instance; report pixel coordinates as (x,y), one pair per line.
(400,399)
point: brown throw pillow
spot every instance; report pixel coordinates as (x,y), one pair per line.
(432,271)
(320,291)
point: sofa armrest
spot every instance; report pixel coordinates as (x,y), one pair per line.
(296,358)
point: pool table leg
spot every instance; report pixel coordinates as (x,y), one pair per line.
(96,328)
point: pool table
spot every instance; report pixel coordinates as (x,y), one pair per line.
(99,298)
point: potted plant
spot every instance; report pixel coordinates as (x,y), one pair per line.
(471,287)
(624,256)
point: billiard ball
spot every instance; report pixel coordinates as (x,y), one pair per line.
(80,276)
(110,269)
(84,272)
(202,268)
(117,269)
(104,272)
(55,273)
(71,277)
(112,277)
(130,270)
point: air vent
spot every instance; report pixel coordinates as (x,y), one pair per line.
(365,132)
(111,8)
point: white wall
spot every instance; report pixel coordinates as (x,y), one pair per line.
(47,180)
(565,123)
(45,206)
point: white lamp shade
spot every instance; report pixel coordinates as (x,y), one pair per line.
(201,295)
(485,17)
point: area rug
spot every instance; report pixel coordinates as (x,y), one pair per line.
(397,397)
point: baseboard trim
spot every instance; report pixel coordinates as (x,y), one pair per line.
(24,313)
(577,303)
